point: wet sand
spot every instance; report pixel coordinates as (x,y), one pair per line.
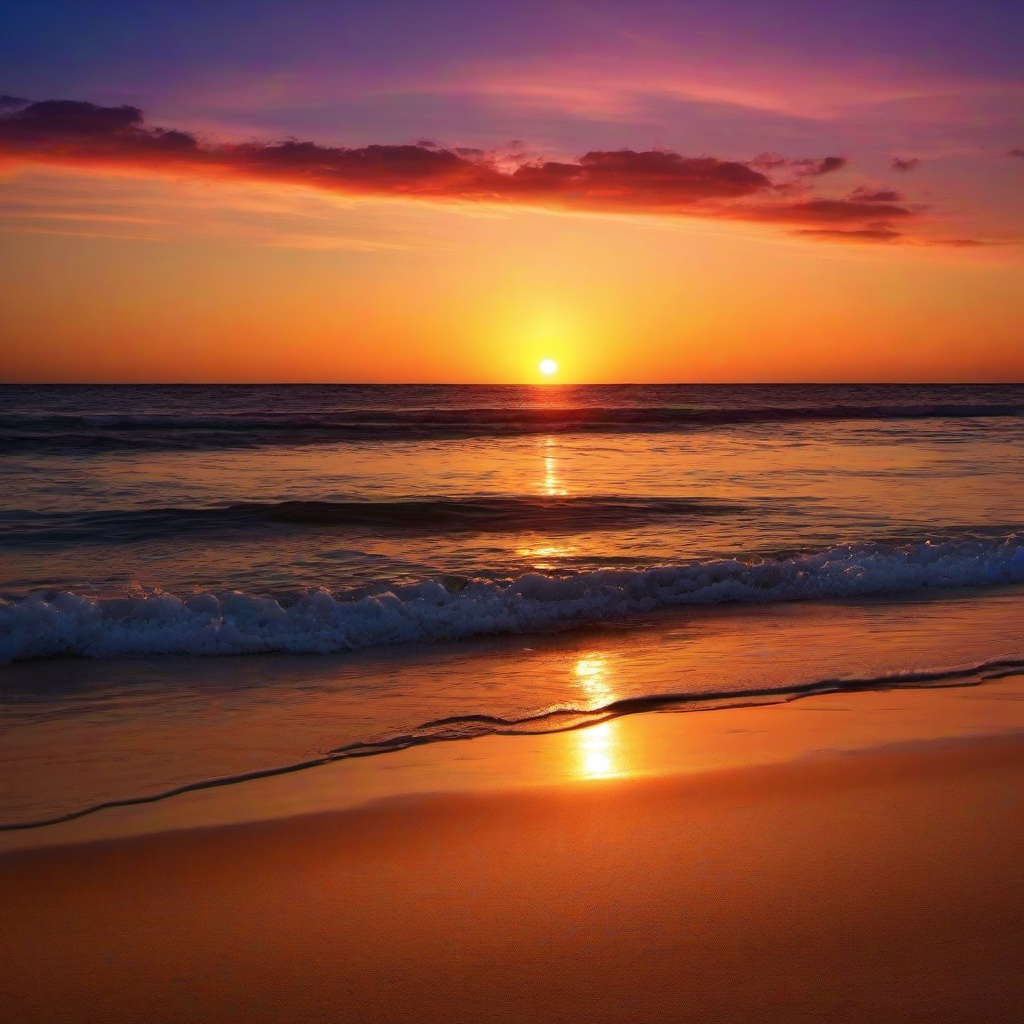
(864,883)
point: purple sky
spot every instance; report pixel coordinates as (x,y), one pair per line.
(717,116)
(681,71)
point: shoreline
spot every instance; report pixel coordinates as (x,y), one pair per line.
(870,873)
(71,727)
(955,678)
(640,745)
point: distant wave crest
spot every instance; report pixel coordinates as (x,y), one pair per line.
(318,621)
(480,513)
(95,431)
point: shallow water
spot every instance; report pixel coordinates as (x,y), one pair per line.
(142,522)
(78,733)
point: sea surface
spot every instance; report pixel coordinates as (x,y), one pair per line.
(391,565)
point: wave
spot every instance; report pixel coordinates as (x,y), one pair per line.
(497,513)
(319,621)
(561,719)
(27,431)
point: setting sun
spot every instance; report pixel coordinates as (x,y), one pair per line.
(548,367)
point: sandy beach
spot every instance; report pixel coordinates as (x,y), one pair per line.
(868,873)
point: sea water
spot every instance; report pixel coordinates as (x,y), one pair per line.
(446,558)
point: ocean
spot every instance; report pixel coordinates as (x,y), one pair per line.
(393,565)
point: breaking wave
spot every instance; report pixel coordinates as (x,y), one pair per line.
(319,621)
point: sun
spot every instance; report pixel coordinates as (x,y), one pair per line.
(548,367)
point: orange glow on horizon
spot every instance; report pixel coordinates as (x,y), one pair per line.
(287,287)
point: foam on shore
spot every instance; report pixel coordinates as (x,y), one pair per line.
(319,621)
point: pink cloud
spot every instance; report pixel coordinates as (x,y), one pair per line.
(83,135)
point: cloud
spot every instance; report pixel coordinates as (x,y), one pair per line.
(906,164)
(86,130)
(74,132)
(12,102)
(1016,152)
(73,117)
(80,134)
(835,211)
(804,166)
(650,180)
(875,195)
(829,164)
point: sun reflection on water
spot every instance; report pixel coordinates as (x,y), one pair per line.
(549,552)
(598,749)
(551,485)
(592,675)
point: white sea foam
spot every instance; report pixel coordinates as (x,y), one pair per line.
(42,626)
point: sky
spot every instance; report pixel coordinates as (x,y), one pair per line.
(448,191)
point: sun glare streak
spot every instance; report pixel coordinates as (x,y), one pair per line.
(552,484)
(598,751)
(598,747)
(592,675)
(599,754)
(547,556)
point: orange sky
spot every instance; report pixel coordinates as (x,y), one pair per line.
(208,283)
(703,216)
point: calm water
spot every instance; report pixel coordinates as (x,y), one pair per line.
(144,522)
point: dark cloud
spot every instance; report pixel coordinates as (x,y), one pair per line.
(68,123)
(73,117)
(906,164)
(653,179)
(835,211)
(372,168)
(11,102)
(1016,152)
(804,166)
(638,178)
(875,195)
(70,132)
(169,139)
(829,164)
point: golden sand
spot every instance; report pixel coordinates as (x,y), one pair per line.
(882,883)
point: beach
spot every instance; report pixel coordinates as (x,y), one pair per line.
(512,513)
(631,703)
(866,872)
